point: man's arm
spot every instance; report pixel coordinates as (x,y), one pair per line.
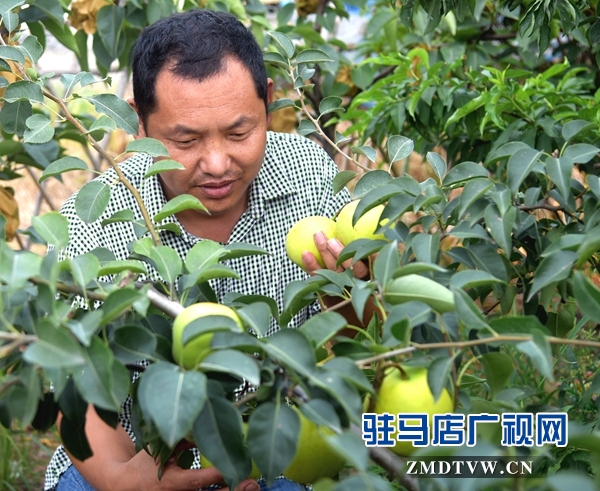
(116,466)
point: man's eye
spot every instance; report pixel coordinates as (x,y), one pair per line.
(184,142)
(238,135)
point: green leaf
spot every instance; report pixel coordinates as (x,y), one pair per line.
(588,246)
(218,434)
(53,228)
(52,8)
(371,180)
(472,191)
(365,150)
(91,201)
(55,348)
(293,350)
(416,268)
(32,48)
(151,146)
(120,111)
(284,42)
(464,172)
(520,164)
(573,128)
(172,399)
(233,362)
(560,171)
(386,263)
(313,56)
(163,166)
(13,116)
(351,447)
(102,381)
(273,428)
(168,263)
(467,311)
(132,343)
(587,295)
(438,374)
(64,164)
(118,302)
(39,129)
(468,108)
(275,59)
(342,178)
(472,278)
(426,247)
(323,327)
(23,91)
(280,104)
(257,316)
(306,127)
(330,104)
(506,150)
(17,267)
(399,147)
(119,216)
(501,226)
(13,54)
(538,350)
(553,268)
(116,267)
(579,153)
(84,268)
(438,164)
(178,204)
(109,21)
(103,123)
(498,367)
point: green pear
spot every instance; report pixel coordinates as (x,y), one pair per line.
(196,350)
(364,228)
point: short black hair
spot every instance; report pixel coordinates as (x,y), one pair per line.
(194,44)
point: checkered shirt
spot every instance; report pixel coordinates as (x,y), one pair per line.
(295,181)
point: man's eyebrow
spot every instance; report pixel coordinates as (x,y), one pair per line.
(181,129)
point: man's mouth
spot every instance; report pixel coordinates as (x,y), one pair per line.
(217,189)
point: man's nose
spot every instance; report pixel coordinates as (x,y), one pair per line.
(214,159)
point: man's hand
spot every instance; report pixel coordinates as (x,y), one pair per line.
(174,478)
(330,250)
(116,466)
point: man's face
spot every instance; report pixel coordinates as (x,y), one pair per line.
(217,129)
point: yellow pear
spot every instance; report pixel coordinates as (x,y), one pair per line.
(314,458)
(195,351)
(300,238)
(364,228)
(408,393)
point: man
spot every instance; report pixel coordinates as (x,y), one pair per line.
(200,87)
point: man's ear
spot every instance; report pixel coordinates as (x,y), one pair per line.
(269,99)
(142,129)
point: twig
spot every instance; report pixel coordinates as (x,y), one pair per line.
(138,198)
(41,189)
(474,342)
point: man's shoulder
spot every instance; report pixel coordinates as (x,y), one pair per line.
(296,154)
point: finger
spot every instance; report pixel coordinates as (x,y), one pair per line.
(360,270)
(310,262)
(328,253)
(176,478)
